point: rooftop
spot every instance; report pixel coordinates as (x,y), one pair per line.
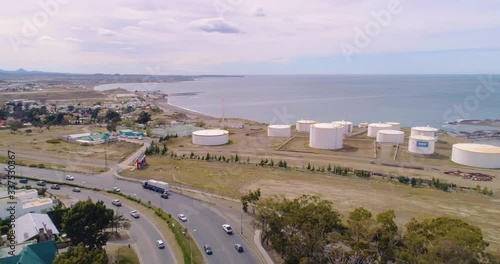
(27,226)
(211,132)
(478,148)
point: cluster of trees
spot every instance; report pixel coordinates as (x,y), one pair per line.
(154,150)
(309,230)
(252,197)
(112,118)
(85,225)
(484,191)
(167,137)
(270,163)
(338,170)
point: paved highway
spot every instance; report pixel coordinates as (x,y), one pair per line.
(142,231)
(206,222)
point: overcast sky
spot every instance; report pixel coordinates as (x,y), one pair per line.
(251,36)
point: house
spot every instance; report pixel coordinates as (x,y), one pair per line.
(31,226)
(39,253)
(140,162)
(25,201)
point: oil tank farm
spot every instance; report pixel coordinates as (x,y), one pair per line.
(476,155)
(374,128)
(419,144)
(346,124)
(305,125)
(425,131)
(326,136)
(210,137)
(279,131)
(390,136)
(394,125)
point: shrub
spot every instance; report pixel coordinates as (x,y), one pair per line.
(33,165)
(41,166)
(4,229)
(53,141)
(85,144)
(28,131)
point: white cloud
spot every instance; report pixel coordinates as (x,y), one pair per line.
(46,38)
(282,60)
(146,23)
(214,25)
(258,12)
(106,32)
(70,39)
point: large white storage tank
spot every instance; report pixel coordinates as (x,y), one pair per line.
(305,125)
(279,131)
(394,125)
(425,131)
(374,128)
(419,144)
(326,136)
(390,136)
(476,155)
(210,137)
(346,124)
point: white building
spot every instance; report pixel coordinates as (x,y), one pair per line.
(374,128)
(304,125)
(346,124)
(476,155)
(326,136)
(210,137)
(425,131)
(390,136)
(30,225)
(279,131)
(25,201)
(419,144)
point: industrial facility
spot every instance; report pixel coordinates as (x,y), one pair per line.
(394,125)
(374,128)
(326,136)
(390,136)
(279,131)
(425,131)
(419,144)
(210,137)
(476,155)
(304,125)
(346,124)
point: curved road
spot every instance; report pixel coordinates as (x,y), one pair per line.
(203,223)
(142,231)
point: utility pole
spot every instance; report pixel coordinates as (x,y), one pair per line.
(241,221)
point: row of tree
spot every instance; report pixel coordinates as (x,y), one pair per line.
(270,163)
(309,230)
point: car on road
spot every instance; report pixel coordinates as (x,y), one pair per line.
(207,249)
(55,186)
(76,189)
(164,195)
(182,217)
(116,202)
(6,168)
(160,244)
(134,214)
(116,189)
(70,178)
(227,228)
(238,247)
(41,183)
(23,181)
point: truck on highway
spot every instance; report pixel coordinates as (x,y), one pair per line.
(157,186)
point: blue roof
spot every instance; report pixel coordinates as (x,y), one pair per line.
(40,253)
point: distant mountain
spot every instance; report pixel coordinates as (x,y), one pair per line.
(22,71)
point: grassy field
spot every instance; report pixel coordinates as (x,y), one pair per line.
(35,146)
(124,254)
(347,193)
(55,94)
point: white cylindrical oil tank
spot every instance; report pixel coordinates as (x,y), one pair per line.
(419,144)
(476,155)
(210,137)
(346,124)
(425,131)
(326,136)
(279,131)
(305,125)
(394,125)
(390,136)
(374,128)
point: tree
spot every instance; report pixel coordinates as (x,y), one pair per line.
(112,116)
(387,236)
(442,240)
(144,117)
(82,254)
(299,229)
(86,221)
(14,125)
(111,127)
(200,123)
(119,221)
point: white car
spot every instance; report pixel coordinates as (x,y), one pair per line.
(182,217)
(116,202)
(116,189)
(227,228)
(160,244)
(134,214)
(70,178)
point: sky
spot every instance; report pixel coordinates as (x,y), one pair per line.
(251,36)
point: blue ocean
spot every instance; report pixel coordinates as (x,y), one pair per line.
(412,100)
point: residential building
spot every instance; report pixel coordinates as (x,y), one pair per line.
(25,201)
(39,253)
